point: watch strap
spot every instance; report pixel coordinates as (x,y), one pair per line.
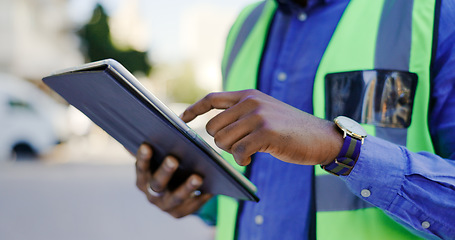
(346,159)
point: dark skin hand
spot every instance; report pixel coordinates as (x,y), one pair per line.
(255,122)
(177,203)
(251,122)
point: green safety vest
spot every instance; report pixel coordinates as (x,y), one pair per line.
(362,41)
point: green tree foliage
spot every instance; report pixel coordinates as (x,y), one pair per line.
(97,44)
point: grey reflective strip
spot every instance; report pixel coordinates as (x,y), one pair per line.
(245,30)
(393,51)
(332,194)
(395,135)
(393,46)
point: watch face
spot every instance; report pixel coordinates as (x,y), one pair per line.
(352,127)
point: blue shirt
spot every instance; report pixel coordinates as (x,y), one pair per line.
(416,189)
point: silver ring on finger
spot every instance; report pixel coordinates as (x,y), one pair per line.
(152,192)
(195,193)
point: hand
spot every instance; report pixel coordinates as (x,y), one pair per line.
(178,203)
(255,122)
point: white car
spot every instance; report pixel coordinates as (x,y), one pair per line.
(31,122)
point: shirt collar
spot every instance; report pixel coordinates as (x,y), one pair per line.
(290,4)
(310,3)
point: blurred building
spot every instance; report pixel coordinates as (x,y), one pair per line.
(128,29)
(37,38)
(204,29)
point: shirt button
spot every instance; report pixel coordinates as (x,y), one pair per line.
(282,76)
(302,16)
(425,224)
(259,219)
(365,193)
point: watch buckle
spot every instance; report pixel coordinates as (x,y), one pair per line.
(342,164)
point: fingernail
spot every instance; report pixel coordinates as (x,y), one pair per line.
(143,150)
(170,163)
(196,182)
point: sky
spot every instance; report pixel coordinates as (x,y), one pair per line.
(162,19)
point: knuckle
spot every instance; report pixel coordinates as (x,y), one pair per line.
(209,97)
(152,200)
(189,112)
(177,214)
(210,127)
(166,207)
(239,149)
(249,92)
(253,101)
(220,143)
(176,200)
(156,185)
(241,154)
(140,164)
(258,118)
(242,161)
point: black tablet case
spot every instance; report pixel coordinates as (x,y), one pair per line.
(114,105)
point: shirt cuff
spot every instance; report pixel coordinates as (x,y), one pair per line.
(378,159)
(402,183)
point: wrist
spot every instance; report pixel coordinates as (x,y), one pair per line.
(346,158)
(335,143)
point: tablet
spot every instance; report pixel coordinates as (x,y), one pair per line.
(116,101)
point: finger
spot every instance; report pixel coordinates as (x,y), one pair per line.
(182,193)
(190,206)
(154,197)
(221,100)
(234,132)
(243,149)
(163,174)
(143,156)
(250,103)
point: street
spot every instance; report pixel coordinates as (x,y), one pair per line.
(83,200)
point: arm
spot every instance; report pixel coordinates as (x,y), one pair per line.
(419,188)
(416,188)
(255,122)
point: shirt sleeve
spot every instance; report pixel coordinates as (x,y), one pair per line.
(418,189)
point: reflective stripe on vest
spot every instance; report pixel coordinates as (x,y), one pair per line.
(361,41)
(241,50)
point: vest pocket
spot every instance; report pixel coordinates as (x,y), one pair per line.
(383,98)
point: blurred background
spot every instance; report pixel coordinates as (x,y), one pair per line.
(62,177)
